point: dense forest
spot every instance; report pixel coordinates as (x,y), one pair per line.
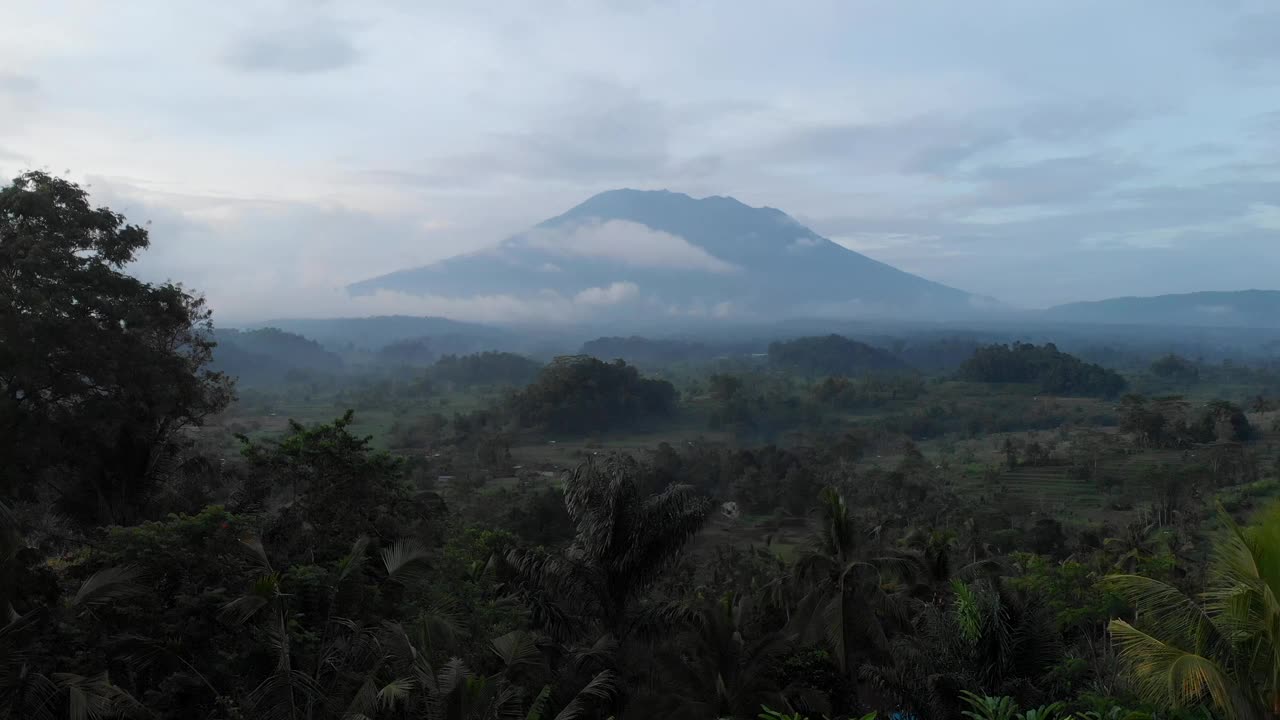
(825,534)
(1045,367)
(830,355)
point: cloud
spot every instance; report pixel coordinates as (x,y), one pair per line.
(311,48)
(1058,180)
(803,243)
(614,294)
(1253,40)
(1086,120)
(700,308)
(17,83)
(624,242)
(543,307)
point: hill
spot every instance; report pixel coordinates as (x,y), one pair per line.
(1244,308)
(374,333)
(630,253)
(831,355)
(267,355)
(1044,367)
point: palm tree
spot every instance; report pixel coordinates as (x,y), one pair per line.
(1221,648)
(852,597)
(720,669)
(623,540)
(25,692)
(408,686)
(347,657)
(988,638)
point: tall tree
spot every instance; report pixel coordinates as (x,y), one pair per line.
(99,371)
(854,596)
(624,539)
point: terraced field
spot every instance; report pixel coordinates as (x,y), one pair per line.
(1052,489)
(1049,488)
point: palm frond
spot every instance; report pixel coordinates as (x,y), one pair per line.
(601,652)
(264,590)
(1169,675)
(91,698)
(252,545)
(516,649)
(1167,612)
(352,561)
(601,690)
(982,707)
(404,560)
(395,692)
(109,585)
(281,693)
(538,707)
(453,675)
(364,704)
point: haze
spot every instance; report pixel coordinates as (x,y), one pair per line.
(1036,153)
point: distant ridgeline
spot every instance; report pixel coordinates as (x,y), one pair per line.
(1044,366)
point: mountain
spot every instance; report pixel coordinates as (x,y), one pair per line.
(657,254)
(1245,308)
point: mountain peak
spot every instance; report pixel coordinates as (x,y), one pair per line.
(627,203)
(647,251)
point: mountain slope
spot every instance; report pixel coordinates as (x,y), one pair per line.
(1245,308)
(626,252)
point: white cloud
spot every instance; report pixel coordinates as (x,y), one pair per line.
(545,307)
(803,243)
(625,242)
(699,308)
(612,295)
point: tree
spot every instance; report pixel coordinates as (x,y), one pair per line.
(582,394)
(92,358)
(989,638)
(28,690)
(1222,648)
(486,368)
(853,597)
(332,486)
(831,355)
(623,540)
(720,672)
(1176,368)
(1045,367)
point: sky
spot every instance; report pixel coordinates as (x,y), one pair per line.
(1035,152)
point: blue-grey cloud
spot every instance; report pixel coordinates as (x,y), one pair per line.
(302,49)
(1056,181)
(1254,40)
(17,83)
